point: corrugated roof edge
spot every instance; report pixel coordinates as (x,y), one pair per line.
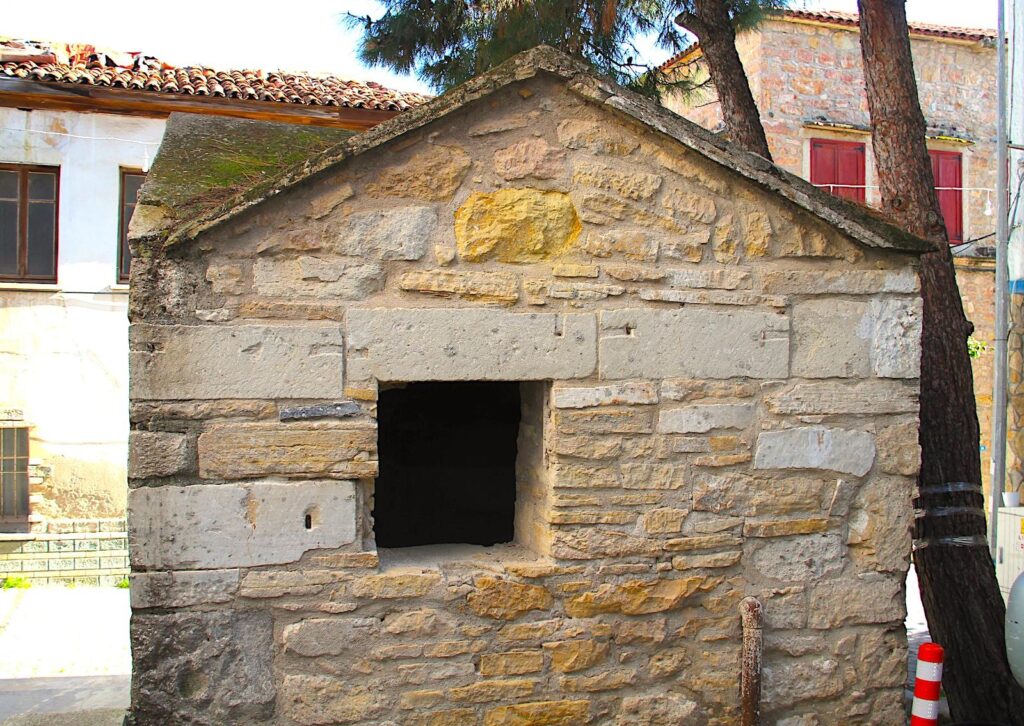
(858,222)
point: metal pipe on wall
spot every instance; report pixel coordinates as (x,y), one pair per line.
(999,382)
(752,618)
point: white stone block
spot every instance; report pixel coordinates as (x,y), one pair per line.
(178,362)
(816,447)
(630,392)
(702,418)
(696,342)
(218,526)
(896,346)
(402,233)
(465,344)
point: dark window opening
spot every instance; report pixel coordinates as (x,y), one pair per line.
(131,182)
(13,472)
(28,223)
(447,455)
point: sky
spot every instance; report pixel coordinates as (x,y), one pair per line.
(302,35)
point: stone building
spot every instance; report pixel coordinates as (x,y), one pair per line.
(493,413)
(806,75)
(83,124)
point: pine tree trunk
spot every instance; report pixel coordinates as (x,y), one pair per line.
(711,23)
(961,598)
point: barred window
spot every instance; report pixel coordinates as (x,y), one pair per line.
(14,472)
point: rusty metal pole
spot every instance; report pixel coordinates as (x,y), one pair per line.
(752,618)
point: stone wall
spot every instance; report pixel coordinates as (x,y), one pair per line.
(728,402)
(805,71)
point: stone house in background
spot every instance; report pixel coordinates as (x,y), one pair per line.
(805,72)
(79,127)
(493,413)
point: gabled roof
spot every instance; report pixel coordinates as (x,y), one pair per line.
(852,20)
(69,66)
(858,222)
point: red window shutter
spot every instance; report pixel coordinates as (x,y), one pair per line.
(947,168)
(839,167)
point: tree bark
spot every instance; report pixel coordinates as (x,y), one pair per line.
(961,598)
(711,23)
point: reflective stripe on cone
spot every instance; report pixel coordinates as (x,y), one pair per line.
(927,685)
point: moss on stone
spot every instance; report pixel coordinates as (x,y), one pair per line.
(204,161)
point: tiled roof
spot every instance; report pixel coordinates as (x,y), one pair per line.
(834,17)
(85,64)
(940,31)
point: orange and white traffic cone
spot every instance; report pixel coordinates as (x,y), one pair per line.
(927,685)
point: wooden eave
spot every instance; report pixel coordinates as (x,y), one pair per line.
(23,93)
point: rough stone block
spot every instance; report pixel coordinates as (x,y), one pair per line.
(432,174)
(320,700)
(867,598)
(643,343)
(203,668)
(729,278)
(630,184)
(180,362)
(182,589)
(499,287)
(816,447)
(152,453)
(801,558)
(540,713)
(242,451)
(321,277)
(515,225)
(470,344)
(330,636)
(241,525)
(840,282)
(401,233)
(700,419)
(864,397)
(529,157)
(832,339)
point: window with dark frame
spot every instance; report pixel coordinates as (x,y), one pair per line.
(28,223)
(13,472)
(947,168)
(839,167)
(131,182)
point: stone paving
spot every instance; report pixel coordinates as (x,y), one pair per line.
(65,653)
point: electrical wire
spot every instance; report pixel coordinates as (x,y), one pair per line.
(79,136)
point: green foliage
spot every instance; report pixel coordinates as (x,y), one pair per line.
(14,582)
(447,42)
(123,583)
(975,347)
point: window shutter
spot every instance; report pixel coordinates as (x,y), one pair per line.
(839,167)
(947,168)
